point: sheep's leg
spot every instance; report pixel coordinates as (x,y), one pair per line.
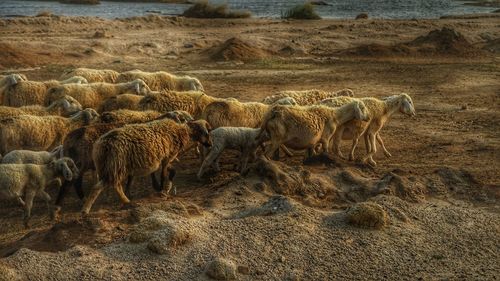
(20,200)
(94,193)
(271,150)
(244,162)
(369,157)
(286,150)
(46,197)
(337,138)
(170,178)
(381,142)
(78,186)
(130,181)
(119,190)
(30,195)
(368,146)
(210,159)
(155,183)
(355,142)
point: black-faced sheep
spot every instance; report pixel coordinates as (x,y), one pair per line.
(139,150)
(161,80)
(29,180)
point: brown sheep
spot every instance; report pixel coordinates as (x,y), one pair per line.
(124,101)
(65,106)
(129,116)
(141,149)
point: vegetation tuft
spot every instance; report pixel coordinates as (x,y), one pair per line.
(203,9)
(303,12)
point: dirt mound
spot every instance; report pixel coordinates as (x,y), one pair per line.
(445,41)
(237,49)
(367,214)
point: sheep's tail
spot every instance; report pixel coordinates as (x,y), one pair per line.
(109,160)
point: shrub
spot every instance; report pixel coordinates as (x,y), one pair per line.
(303,11)
(203,9)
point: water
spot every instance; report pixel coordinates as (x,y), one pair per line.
(393,9)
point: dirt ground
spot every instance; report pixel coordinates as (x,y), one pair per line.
(433,211)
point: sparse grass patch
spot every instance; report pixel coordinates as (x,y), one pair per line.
(203,9)
(303,12)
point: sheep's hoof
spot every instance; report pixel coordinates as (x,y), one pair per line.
(387,154)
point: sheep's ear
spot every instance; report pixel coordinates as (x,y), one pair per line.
(66,105)
(12,80)
(137,88)
(66,171)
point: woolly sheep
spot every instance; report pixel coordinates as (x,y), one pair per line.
(380,111)
(123,101)
(179,116)
(139,150)
(304,127)
(40,132)
(129,116)
(93,75)
(235,114)
(192,102)
(28,180)
(239,138)
(305,97)
(31,157)
(21,93)
(286,101)
(93,94)
(161,80)
(65,106)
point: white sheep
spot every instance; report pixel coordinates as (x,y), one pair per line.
(31,157)
(245,140)
(92,75)
(161,80)
(93,94)
(29,180)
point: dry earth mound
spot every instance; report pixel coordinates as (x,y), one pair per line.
(237,49)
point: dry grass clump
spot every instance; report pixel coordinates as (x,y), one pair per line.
(221,269)
(302,12)
(203,9)
(45,13)
(367,214)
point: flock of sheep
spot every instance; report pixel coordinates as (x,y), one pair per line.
(135,123)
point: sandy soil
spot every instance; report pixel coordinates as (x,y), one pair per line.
(437,212)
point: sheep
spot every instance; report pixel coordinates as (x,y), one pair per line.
(21,93)
(93,75)
(192,102)
(31,157)
(286,101)
(78,146)
(235,114)
(65,106)
(304,127)
(380,111)
(93,94)
(140,149)
(124,101)
(129,116)
(306,97)
(161,80)
(30,180)
(40,132)
(240,138)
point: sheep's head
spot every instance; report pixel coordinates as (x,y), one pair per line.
(345,93)
(179,116)
(361,111)
(86,116)
(200,132)
(286,101)
(13,79)
(79,80)
(140,87)
(57,152)
(69,105)
(192,84)
(65,167)
(407,106)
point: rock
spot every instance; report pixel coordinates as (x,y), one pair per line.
(145,229)
(8,274)
(169,237)
(367,214)
(362,16)
(221,269)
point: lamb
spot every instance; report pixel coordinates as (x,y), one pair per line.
(192,102)
(161,80)
(40,132)
(123,101)
(31,157)
(304,127)
(93,94)
(306,97)
(93,75)
(20,93)
(129,116)
(380,112)
(65,106)
(245,140)
(139,150)
(30,180)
